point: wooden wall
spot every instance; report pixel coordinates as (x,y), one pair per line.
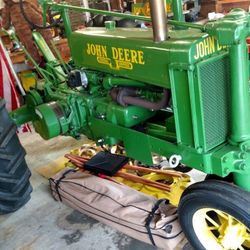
(222,6)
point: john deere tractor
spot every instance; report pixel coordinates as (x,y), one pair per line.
(178,90)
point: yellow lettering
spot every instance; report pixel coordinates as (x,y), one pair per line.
(206,47)
(88,49)
(120,52)
(219,48)
(123,56)
(126,55)
(201,49)
(92,49)
(212,44)
(197,55)
(134,56)
(104,51)
(115,53)
(140,57)
(98,50)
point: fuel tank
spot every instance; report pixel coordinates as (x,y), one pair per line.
(132,53)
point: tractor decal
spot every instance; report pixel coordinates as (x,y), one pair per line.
(207,47)
(116,58)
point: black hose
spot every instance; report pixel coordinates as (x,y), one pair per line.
(128,96)
(33,25)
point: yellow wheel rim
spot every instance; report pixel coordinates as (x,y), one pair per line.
(218,230)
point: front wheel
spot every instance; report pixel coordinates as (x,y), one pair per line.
(215,215)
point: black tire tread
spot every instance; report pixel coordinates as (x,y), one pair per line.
(225,188)
(6,136)
(12,207)
(15,188)
(213,193)
(14,185)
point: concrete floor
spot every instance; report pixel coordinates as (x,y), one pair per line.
(46,224)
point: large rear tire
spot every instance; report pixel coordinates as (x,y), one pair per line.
(216,215)
(15,187)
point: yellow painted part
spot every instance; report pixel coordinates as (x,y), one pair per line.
(145,10)
(52,168)
(169,8)
(28,79)
(178,185)
(57,165)
(218,230)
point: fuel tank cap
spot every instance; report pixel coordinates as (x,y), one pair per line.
(110,25)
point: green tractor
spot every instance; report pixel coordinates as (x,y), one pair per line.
(178,90)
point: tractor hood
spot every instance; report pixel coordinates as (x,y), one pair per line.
(131,53)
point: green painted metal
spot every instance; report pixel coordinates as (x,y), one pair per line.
(43,46)
(181,105)
(67,23)
(239,91)
(134,54)
(49,56)
(22,116)
(62,7)
(242,180)
(110,82)
(47,123)
(233,31)
(110,25)
(205,67)
(178,10)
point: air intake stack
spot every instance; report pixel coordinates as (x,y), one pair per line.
(159,20)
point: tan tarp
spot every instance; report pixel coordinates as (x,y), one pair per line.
(121,207)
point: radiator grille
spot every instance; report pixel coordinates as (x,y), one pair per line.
(214,80)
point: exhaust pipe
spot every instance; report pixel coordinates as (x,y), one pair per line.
(159,20)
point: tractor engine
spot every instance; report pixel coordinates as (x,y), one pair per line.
(88,93)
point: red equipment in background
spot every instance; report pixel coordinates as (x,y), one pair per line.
(8,83)
(248,42)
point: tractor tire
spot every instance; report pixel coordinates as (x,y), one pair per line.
(15,187)
(215,215)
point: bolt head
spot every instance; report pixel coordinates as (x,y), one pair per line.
(242,155)
(243,166)
(246,148)
(225,159)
